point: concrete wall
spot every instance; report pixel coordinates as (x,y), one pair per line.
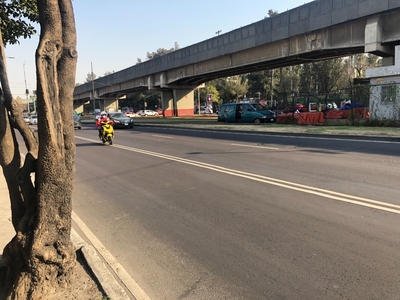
(387,77)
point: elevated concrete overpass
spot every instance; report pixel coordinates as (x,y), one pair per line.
(318,30)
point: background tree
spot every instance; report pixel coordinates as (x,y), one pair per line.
(90,76)
(232,88)
(272,13)
(306,79)
(161,52)
(358,63)
(14,18)
(40,258)
(209,89)
(259,82)
(136,100)
(327,74)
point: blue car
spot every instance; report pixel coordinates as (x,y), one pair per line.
(246,112)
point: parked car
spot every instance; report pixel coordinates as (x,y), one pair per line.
(246,112)
(203,110)
(148,112)
(26,119)
(77,121)
(132,114)
(33,120)
(127,110)
(121,120)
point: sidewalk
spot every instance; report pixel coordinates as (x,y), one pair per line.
(107,281)
(6,227)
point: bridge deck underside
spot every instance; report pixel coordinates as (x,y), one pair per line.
(242,51)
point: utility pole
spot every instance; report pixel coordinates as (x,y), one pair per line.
(94,100)
(272,87)
(27,93)
(26,88)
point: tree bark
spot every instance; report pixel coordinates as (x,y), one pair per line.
(40,258)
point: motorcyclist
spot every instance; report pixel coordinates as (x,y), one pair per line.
(103,118)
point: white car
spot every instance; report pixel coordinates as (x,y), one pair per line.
(132,115)
(33,120)
(27,119)
(148,112)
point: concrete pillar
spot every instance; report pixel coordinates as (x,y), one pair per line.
(373,38)
(185,102)
(178,102)
(109,104)
(167,102)
(78,105)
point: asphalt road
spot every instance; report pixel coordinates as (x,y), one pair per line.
(210,215)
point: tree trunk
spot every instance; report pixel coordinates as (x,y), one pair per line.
(40,258)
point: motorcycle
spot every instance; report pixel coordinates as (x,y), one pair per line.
(107,135)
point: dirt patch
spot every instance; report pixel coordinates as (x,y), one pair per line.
(84,285)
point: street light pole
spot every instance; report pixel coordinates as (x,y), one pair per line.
(27,92)
(272,87)
(94,100)
(198,100)
(26,88)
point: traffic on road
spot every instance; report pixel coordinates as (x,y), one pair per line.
(244,216)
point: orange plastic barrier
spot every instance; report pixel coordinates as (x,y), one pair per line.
(309,118)
(302,118)
(359,112)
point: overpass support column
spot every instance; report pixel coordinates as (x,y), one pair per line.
(178,102)
(168,105)
(109,104)
(78,105)
(184,101)
(373,41)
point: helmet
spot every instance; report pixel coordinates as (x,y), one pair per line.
(103,114)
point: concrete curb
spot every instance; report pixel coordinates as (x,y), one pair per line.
(109,284)
(105,278)
(290,134)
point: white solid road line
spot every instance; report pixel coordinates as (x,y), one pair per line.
(163,136)
(393,208)
(254,146)
(123,275)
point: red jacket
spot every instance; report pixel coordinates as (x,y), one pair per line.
(103,119)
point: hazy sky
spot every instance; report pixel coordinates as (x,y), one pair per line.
(112,35)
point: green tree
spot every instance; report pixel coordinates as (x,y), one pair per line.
(40,258)
(271,13)
(263,84)
(90,76)
(14,20)
(161,52)
(136,100)
(209,89)
(358,63)
(306,79)
(259,83)
(232,88)
(327,74)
